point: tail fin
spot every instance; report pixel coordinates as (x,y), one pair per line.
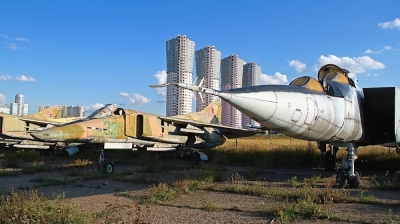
(48,113)
(210,114)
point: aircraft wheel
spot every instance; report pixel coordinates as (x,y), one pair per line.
(355,181)
(341,178)
(107,167)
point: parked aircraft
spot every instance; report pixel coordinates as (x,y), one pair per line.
(15,130)
(331,110)
(113,127)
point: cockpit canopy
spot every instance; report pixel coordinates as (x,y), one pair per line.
(107,110)
(335,73)
(308,83)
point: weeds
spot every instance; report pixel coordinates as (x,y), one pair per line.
(79,163)
(164,192)
(303,209)
(33,207)
(211,207)
(36,167)
(366,198)
(114,213)
(293,182)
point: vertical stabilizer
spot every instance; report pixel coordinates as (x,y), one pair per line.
(210,114)
(48,113)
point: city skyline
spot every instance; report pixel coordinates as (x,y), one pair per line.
(110,52)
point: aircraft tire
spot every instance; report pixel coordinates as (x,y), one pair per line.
(341,178)
(109,167)
(354,182)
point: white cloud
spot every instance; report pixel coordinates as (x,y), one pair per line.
(2,99)
(124,94)
(385,48)
(135,98)
(161,77)
(354,65)
(93,107)
(5,36)
(369,51)
(5,77)
(25,78)
(277,78)
(391,24)
(299,66)
(12,46)
(22,39)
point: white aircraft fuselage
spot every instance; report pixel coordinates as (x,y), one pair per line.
(302,113)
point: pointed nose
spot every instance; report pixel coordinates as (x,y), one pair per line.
(47,135)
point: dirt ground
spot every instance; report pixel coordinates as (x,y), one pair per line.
(204,206)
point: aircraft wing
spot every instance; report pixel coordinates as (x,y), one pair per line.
(40,122)
(227,131)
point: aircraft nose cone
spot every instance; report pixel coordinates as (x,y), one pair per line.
(45,135)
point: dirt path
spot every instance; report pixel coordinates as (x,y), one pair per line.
(119,195)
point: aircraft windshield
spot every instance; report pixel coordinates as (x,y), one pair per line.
(107,110)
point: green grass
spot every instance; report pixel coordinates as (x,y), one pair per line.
(164,192)
(33,207)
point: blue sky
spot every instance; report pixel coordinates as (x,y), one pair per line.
(91,53)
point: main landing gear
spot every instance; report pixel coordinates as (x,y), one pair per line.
(346,173)
(185,151)
(104,165)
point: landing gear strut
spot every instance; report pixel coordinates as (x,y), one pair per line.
(184,151)
(346,173)
(104,165)
(330,155)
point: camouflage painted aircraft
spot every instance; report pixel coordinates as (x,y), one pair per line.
(15,130)
(113,127)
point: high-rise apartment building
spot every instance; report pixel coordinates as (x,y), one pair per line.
(72,111)
(231,77)
(180,62)
(19,107)
(251,77)
(208,69)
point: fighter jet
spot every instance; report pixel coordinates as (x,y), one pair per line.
(15,130)
(112,127)
(331,110)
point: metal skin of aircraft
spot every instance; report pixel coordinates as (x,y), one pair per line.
(15,130)
(330,110)
(112,127)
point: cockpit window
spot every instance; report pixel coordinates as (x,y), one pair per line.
(107,110)
(335,73)
(308,83)
(351,82)
(329,90)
